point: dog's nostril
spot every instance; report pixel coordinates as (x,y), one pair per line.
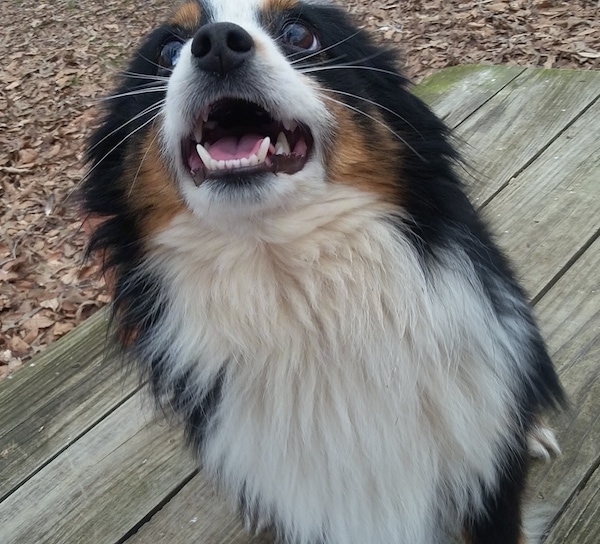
(202,47)
(239,41)
(221,47)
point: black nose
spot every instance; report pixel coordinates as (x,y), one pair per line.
(221,47)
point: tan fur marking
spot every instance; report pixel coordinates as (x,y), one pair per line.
(366,161)
(152,190)
(279,5)
(187,16)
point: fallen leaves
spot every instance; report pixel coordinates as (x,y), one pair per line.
(435,34)
(59,58)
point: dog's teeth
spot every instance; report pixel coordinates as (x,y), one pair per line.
(282,147)
(221,165)
(244,161)
(253,160)
(263,150)
(205,156)
(233,163)
(290,125)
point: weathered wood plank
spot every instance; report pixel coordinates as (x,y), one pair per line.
(196,514)
(570,319)
(520,121)
(101,486)
(455,93)
(47,406)
(546,215)
(580,524)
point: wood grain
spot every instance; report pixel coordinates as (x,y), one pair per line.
(548,214)
(570,319)
(580,524)
(48,405)
(519,122)
(196,514)
(457,92)
(103,484)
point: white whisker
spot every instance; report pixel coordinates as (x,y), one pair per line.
(353,67)
(321,51)
(135,75)
(378,105)
(141,114)
(134,93)
(101,160)
(357,110)
(141,163)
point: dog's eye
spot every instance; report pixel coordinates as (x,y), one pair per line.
(299,37)
(169,56)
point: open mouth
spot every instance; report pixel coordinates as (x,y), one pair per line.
(238,137)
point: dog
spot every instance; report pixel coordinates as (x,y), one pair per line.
(299,275)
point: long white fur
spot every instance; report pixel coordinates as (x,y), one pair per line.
(363,396)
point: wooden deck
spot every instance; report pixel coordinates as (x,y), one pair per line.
(84,459)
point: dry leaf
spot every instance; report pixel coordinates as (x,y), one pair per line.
(38,322)
(18,346)
(52,304)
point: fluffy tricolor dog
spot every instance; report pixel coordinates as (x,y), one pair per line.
(300,275)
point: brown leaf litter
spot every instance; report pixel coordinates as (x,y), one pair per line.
(60,57)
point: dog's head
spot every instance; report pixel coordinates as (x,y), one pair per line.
(235,109)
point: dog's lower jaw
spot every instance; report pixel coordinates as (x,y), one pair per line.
(250,210)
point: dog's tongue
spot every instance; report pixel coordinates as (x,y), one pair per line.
(233,147)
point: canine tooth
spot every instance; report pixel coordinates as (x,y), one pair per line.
(204,155)
(253,160)
(282,147)
(263,149)
(214,165)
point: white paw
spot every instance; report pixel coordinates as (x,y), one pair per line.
(542,442)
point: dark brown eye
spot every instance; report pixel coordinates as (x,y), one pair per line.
(298,36)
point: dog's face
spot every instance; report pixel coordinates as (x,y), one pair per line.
(243,127)
(235,110)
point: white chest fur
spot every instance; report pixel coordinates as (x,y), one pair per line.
(362,395)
